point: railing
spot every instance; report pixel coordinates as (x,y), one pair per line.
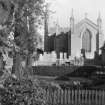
(75,97)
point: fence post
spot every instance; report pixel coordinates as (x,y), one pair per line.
(96,97)
(92,96)
(62,97)
(76,97)
(100,97)
(89,96)
(82,96)
(79,97)
(72,96)
(54,97)
(65,95)
(58,95)
(47,94)
(103,97)
(69,96)
(85,101)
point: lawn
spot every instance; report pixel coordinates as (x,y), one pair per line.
(53,70)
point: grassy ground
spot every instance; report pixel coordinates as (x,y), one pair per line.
(67,77)
(53,70)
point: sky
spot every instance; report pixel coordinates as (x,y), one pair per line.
(63,10)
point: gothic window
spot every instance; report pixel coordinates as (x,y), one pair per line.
(86,41)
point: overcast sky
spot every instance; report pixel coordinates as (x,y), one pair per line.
(80,7)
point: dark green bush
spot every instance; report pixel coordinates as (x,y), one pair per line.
(22,92)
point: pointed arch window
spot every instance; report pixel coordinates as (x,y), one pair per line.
(86,41)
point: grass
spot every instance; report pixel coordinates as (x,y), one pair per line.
(53,70)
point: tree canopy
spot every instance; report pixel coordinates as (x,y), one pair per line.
(21,19)
(19,22)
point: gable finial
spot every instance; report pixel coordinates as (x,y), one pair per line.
(72,13)
(57,26)
(99,15)
(99,20)
(86,15)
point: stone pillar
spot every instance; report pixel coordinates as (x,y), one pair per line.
(61,55)
(103,57)
(65,55)
(97,42)
(69,44)
(54,57)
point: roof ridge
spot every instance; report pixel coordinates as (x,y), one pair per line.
(88,21)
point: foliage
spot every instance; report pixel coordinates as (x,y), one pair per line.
(22,92)
(23,20)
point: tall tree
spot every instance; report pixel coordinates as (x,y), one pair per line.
(24,17)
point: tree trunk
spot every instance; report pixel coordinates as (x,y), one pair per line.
(17,66)
(29,64)
(18,69)
(1,63)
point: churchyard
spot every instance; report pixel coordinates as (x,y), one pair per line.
(23,84)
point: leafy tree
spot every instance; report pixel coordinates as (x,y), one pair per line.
(23,20)
(20,21)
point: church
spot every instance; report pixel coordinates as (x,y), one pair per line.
(86,35)
(68,43)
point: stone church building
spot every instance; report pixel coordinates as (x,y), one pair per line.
(68,43)
(86,35)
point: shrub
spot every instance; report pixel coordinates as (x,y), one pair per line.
(22,92)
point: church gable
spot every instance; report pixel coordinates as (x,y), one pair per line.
(84,24)
(87,21)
